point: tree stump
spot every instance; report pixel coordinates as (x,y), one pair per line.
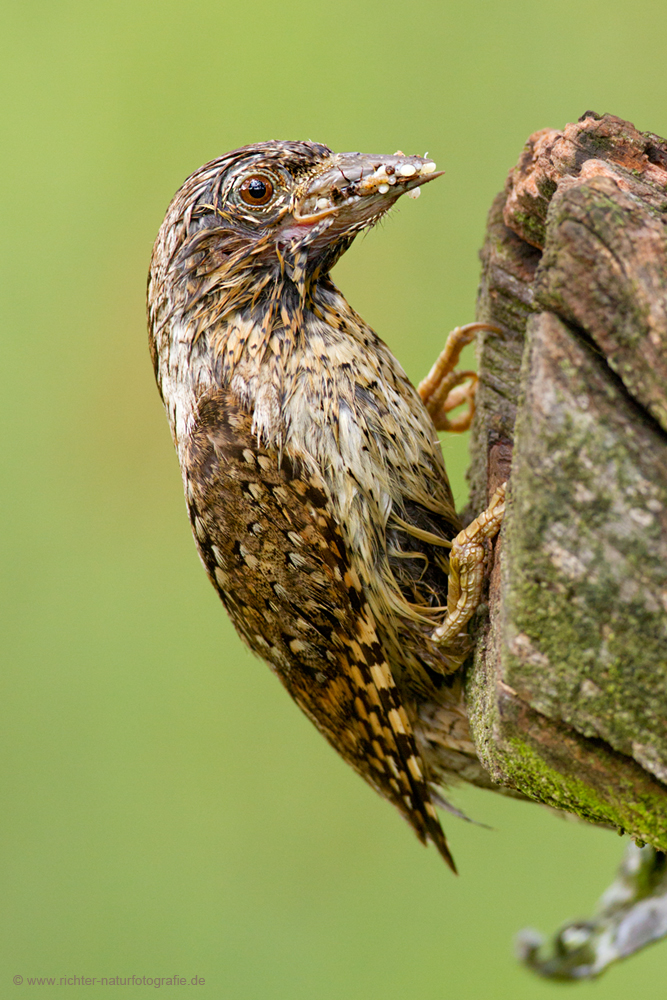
(568,692)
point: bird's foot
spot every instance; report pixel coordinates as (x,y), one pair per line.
(466,569)
(444,388)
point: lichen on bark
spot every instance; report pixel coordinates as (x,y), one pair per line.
(568,693)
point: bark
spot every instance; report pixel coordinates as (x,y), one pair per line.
(568,693)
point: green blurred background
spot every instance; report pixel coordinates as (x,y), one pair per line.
(166,809)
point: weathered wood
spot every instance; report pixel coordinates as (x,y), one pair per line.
(568,694)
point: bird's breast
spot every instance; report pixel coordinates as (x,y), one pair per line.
(332,399)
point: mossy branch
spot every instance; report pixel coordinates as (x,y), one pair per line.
(568,694)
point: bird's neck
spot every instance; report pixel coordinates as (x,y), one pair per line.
(291,366)
(263,353)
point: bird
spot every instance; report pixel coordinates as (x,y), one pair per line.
(312,469)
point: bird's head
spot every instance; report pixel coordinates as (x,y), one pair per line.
(273,211)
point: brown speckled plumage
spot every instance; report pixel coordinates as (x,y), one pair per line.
(312,470)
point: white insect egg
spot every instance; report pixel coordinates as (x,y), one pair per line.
(322,203)
(428,168)
(414,193)
(381,171)
(383,188)
(407,170)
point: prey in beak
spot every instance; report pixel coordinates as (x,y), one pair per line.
(349,193)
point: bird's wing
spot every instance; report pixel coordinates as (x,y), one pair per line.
(278,560)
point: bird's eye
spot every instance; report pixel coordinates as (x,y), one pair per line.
(256,190)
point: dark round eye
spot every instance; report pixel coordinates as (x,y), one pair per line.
(256,190)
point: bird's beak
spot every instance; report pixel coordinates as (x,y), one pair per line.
(352,190)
